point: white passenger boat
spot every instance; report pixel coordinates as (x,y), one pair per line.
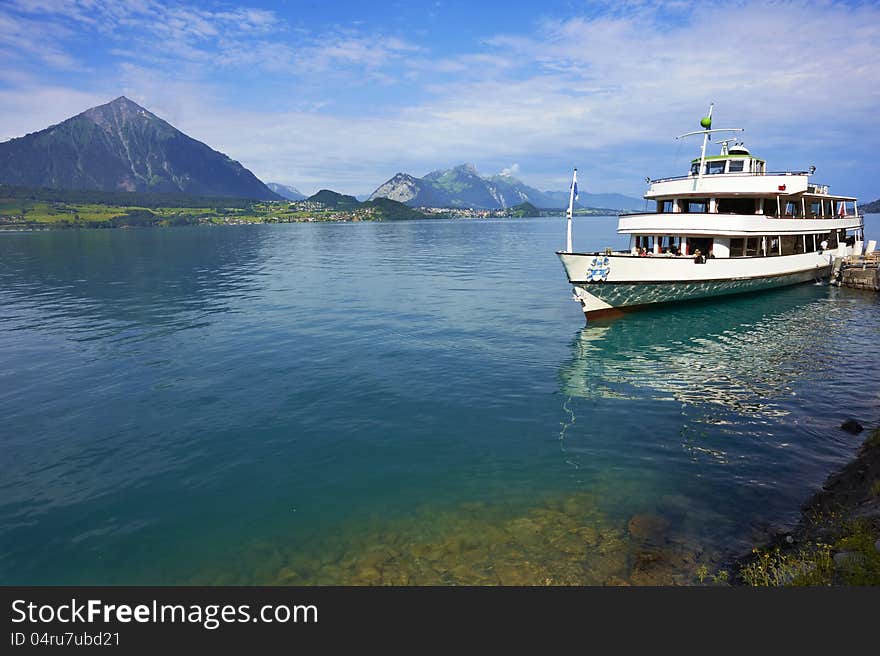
(729,226)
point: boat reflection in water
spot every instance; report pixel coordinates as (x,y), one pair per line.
(744,355)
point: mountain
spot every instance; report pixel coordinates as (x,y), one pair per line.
(466,188)
(286,191)
(384,209)
(513,192)
(415,192)
(608,201)
(392,210)
(463,186)
(121,146)
(524,209)
(871,208)
(334,200)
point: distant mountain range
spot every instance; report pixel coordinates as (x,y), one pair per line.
(871,208)
(286,191)
(463,186)
(121,146)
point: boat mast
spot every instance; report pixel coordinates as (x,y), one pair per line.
(707,124)
(571,197)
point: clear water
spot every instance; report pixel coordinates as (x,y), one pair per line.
(414,402)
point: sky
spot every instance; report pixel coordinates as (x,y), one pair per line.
(343,95)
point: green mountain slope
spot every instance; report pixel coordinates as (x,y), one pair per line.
(334,200)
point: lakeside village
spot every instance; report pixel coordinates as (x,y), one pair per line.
(34,213)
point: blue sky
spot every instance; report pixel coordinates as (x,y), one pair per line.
(345,94)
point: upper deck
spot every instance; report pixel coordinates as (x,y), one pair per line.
(736,172)
(732,184)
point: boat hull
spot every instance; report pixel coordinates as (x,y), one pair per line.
(616,283)
(600,299)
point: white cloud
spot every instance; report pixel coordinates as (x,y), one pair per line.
(195,41)
(605,91)
(32,106)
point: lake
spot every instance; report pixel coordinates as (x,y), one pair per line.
(413,403)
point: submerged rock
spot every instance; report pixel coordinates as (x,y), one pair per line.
(564,540)
(287,576)
(665,566)
(648,528)
(852,426)
(369,576)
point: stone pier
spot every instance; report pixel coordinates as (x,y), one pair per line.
(860,273)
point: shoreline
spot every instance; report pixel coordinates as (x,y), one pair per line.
(837,538)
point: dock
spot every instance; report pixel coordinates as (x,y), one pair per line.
(857,271)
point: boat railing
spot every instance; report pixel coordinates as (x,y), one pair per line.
(743,174)
(824,217)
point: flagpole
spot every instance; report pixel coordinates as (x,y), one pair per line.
(571,196)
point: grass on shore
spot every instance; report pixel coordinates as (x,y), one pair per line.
(23,212)
(845,554)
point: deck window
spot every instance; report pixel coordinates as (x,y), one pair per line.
(789,243)
(770,207)
(736,206)
(799,244)
(811,243)
(753,244)
(695,205)
(735,166)
(745,247)
(736,247)
(646,242)
(669,244)
(715,167)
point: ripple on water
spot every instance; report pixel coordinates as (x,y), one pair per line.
(410,402)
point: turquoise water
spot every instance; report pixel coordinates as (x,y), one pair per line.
(413,402)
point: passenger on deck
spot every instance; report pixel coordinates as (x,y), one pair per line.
(698,257)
